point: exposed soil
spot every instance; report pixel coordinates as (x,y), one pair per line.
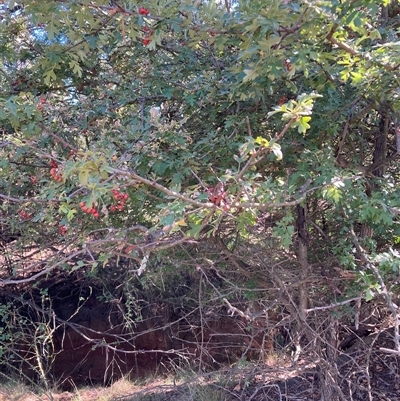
(365,373)
(92,344)
(250,359)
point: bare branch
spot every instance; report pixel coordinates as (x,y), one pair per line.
(43,272)
(56,137)
(334,305)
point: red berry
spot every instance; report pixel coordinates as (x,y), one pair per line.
(24,215)
(85,209)
(125,197)
(143,11)
(282,100)
(96,215)
(146,41)
(82,204)
(113,208)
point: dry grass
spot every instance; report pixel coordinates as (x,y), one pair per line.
(17,391)
(152,389)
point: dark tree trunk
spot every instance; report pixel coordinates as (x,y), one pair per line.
(302,257)
(379,157)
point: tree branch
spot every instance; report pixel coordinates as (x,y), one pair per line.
(353,52)
(56,137)
(42,272)
(262,151)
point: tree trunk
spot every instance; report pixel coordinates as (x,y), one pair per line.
(302,257)
(380,152)
(329,373)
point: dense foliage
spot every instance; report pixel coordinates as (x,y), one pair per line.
(129,129)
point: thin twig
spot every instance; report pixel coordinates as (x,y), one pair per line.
(262,151)
(57,138)
(334,305)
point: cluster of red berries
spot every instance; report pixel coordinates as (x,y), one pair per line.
(54,171)
(143,11)
(24,215)
(42,101)
(89,210)
(63,229)
(147,39)
(121,198)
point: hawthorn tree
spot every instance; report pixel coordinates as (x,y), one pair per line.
(130,129)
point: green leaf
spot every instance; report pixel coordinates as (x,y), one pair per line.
(49,76)
(76,68)
(261,141)
(168,220)
(369,294)
(276,148)
(250,75)
(195,230)
(83,177)
(333,193)
(303,124)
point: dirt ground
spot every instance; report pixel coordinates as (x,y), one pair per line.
(365,371)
